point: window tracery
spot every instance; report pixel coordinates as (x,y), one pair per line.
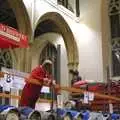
(114,15)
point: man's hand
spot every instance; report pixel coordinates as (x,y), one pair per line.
(49,82)
(46,81)
(53,82)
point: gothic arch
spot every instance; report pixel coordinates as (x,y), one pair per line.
(22,16)
(64,29)
(24,26)
(37,49)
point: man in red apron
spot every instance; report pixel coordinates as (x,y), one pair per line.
(31,92)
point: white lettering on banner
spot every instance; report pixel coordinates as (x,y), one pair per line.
(9,36)
(11,33)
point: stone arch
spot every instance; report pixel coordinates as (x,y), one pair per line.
(21,15)
(24,26)
(37,49)
(64,29)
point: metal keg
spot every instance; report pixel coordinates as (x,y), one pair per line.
(48,115)
(9,113)
(68,116)
(79,116)
(29,113)
(51,117)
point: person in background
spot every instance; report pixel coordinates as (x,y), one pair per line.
(75,76)
(31,92)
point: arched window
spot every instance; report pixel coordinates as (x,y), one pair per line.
(5,61)
(50,52)
(114,15)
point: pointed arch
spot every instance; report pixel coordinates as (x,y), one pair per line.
(24,26)
(63,28)
(22,16)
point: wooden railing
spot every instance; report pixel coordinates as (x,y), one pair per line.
(72,90)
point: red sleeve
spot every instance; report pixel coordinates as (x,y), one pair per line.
(38,73)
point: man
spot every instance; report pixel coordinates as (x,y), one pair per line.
(31,92)
(75,76)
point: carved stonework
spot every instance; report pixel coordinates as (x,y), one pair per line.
(5,59)
(115,44)
(114,14)
(116,48)
(114,6)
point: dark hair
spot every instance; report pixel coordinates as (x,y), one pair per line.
(47,62)
(71,71)
(74,72)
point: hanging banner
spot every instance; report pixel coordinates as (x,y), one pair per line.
(10,37)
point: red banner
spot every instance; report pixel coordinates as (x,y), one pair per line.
(9,34)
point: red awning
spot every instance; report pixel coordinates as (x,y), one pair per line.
(11,38)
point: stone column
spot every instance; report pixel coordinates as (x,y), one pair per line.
(28,60)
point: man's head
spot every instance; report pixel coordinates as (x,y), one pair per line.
(47,64)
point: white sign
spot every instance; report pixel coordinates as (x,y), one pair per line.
(18,83)
(45,89)
(12,79)
(111,108)
(59,101)
(7,82)
(91,96)
(86,97)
